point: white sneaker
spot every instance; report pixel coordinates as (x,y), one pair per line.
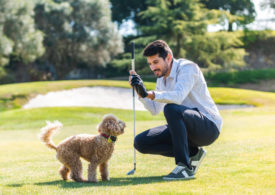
(181,172)
(197,159)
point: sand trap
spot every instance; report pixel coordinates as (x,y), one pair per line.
(108,97)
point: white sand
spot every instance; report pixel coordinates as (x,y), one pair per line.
(108,97)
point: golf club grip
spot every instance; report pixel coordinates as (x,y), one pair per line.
(133,55)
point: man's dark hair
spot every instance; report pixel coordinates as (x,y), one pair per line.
(159,47)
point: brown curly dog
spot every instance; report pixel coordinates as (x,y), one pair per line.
(96,149)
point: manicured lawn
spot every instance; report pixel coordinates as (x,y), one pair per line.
(241,161)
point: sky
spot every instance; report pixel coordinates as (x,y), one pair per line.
(262,15)
(260,22)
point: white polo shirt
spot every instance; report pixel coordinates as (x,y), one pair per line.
(184,86)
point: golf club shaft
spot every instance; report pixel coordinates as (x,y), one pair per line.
(134,117)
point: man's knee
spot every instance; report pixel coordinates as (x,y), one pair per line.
(139,144)
(171,111)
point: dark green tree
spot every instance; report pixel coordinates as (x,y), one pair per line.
(183,24)
(125,9)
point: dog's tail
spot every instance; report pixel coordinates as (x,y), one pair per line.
(48,131)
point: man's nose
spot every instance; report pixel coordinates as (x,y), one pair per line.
(153,67)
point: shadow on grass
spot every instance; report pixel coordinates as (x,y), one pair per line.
(120,181)
(15,185)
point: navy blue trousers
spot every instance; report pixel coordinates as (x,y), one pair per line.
(186,130)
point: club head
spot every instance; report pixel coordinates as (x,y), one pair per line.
(131,172)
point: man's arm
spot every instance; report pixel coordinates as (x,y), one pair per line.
(153,107)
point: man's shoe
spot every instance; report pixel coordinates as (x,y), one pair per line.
(181,172)
(197,159)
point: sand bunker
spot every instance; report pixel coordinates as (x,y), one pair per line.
(108,97)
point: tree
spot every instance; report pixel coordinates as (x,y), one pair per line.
(183,23)
(18,37)
(243,8)
(77,33)
(125,9)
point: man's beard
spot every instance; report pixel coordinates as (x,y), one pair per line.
(164,71)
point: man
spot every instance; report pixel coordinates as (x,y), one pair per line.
(193,119)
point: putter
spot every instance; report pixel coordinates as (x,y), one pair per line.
(134,117)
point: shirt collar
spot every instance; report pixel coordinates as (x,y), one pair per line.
(174,69)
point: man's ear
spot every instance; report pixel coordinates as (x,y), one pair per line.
(169,58)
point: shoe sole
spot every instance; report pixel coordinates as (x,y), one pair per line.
(172,179)
(199,163)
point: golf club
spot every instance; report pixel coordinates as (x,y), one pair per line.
(134,117)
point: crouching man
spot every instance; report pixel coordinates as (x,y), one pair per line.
(193,119)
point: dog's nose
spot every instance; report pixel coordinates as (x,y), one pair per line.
(122,124)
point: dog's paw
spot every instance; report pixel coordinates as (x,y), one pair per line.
(79,180)
(106,179)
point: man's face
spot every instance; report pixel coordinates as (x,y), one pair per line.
(158,65)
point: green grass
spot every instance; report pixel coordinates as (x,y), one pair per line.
(242,96)
(241,161)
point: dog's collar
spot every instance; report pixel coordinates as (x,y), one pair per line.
(109,138)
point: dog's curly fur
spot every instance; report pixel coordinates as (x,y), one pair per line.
(94,148)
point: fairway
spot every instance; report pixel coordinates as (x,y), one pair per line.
(241,161)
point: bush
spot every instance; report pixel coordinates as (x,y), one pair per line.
(240,77)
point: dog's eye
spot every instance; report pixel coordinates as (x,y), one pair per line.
(121,124)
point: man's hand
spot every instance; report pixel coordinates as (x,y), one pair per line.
(138,85)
